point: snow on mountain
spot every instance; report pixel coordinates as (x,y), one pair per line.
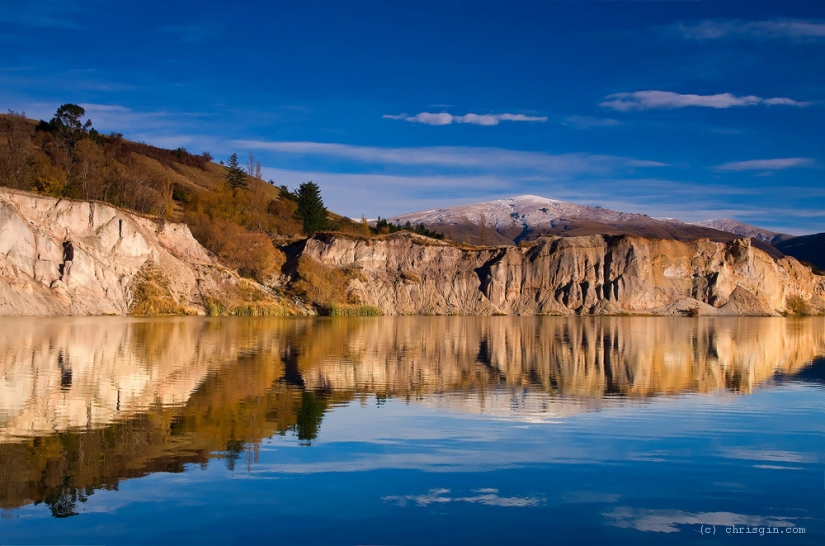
(524,212)
(526,217)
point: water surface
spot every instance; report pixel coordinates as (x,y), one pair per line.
(412,430)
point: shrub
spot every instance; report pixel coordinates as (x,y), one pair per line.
(49,185)
(252,254)
(795,305)
(319,284)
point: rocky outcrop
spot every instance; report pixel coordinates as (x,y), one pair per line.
(112,249)
(408,274)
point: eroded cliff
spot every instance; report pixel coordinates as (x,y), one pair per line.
(407,274)
(115,253)
(121,258)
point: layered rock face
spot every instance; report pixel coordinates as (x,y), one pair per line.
(407,274)
(111,247)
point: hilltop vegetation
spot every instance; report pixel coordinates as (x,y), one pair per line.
(66,157)
(244,220)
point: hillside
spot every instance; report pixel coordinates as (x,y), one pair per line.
(806,248)
(231,211)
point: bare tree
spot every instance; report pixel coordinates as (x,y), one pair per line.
(253,168)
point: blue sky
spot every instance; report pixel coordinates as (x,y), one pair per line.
(691,110)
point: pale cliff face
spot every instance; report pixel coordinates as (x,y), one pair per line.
(406,274)
(110,248)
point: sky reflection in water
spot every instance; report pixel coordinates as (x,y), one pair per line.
(410,430)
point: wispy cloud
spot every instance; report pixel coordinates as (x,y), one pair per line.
(793,29)
(90,107)
(490,159)
(784,101)
(767,164)
(443,118)
(644,100)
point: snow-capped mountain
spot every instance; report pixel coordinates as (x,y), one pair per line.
(524,212)
(505,221)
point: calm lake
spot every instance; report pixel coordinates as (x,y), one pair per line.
(412,430)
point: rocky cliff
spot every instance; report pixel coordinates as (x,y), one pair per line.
(408,274)
(114,252)
(121,258)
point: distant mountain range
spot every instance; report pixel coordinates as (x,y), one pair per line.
(527,217)
(745,230)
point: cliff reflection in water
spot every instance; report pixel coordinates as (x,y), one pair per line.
(87,402)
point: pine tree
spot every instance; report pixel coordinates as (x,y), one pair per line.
(235,175)
(311,208)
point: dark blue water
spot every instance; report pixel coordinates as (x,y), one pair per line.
(413,431)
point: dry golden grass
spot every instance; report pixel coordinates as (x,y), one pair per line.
(152,295)
(321,285)
(350,310)
(252,254)
(246,299)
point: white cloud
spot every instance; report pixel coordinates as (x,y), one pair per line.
(432,119)
(794,29)
(767,164)
(786,102)
(644,100)
(443,118)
